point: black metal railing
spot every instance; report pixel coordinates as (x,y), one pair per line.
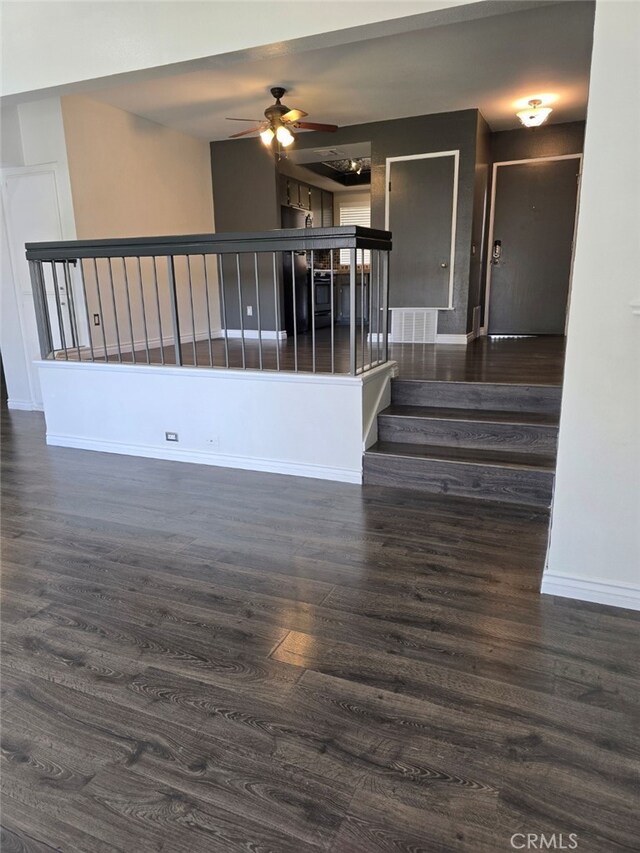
(245,301)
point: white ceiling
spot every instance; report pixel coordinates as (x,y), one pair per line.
(490,63)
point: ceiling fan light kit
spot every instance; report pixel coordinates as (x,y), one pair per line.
(279,120)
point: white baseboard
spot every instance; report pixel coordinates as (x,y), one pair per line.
(461,340)
(24,406)
(252,334)
(599,591)
(202,457)
(140,345)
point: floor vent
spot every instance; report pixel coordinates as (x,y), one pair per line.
(414,325)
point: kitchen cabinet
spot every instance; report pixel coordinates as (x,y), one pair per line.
(298,194)
(343,298)
(303,196)
(326,216)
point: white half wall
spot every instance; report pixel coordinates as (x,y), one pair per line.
(304,424)
(594,551)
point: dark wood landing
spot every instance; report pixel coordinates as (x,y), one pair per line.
(469,428)
(201,659)
(533,361)
(524,361)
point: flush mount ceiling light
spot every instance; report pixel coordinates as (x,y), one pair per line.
(535,114)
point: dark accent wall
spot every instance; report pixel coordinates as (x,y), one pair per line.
(245,198)
(420,135)
(551,140)
(478,260)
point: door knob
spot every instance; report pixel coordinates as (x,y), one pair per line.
(444,265)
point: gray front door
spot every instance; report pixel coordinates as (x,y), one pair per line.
(534,217)
(420,218)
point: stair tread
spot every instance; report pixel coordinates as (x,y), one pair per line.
(402,410)
(479,456)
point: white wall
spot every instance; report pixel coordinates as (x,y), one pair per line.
(594,549)
(47,43)
(36,205)
(304,424)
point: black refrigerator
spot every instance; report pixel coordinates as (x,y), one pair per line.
(295,279)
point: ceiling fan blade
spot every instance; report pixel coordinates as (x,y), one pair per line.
(245,132)
(228,118)
(294,115)
(310,125)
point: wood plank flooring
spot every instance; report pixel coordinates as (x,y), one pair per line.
(202,659)
(535,360)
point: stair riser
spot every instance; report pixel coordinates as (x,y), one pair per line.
(477,395)
(470,434)
(485,482)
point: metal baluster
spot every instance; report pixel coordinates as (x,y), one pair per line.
(363,339)
(104,333)
(378,312)
(115,309)
(155,280)
(42,309)
(175,315)
(370,309)
(276,303)
(295,319)
(385,303)
(73,319)
(313,314)
(144,312)
(126,290)
(240,306)
(206,295)
(63,338)
(352,310)
(255,266)
(224,309)
(86,307)
(333,299)
(193,319)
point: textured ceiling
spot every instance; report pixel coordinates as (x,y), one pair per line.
(489,63)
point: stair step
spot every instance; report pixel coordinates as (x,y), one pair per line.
(471,428)
(491,396)
(507,476)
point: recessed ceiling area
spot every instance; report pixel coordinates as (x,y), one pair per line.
(491,64)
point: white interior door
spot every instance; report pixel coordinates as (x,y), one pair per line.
(32,214)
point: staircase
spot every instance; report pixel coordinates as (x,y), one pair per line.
(493,441)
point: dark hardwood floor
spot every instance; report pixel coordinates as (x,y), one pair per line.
(535,360)
(202,659)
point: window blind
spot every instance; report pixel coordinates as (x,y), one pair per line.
(355,214)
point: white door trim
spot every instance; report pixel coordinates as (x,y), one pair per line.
(487,285)
(454,208)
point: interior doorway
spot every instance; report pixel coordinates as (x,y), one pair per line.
(531,234)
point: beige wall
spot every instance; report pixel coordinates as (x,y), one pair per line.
(132,177)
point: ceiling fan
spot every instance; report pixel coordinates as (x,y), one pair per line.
(278,122)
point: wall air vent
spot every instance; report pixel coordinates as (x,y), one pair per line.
(414,325)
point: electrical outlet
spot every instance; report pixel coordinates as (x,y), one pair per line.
(249,310)
(171,436)
(96,319)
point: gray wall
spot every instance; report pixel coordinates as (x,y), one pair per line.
(550,140)
(245,199)
(245,191)
(420,135)
(478,260)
